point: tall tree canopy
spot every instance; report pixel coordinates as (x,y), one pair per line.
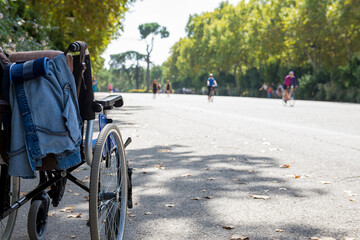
(261,40)
(149,31)
(53,24)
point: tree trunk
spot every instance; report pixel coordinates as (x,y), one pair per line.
(348,50)
(148,73)
(137,77)
(237,82)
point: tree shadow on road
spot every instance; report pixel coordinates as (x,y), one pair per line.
(173,175)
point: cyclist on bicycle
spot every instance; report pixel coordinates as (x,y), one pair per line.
(289,84)
(211,83)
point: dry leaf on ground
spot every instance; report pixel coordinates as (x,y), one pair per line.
(132,215)
(147,213)
(239,237)
(67,209)
(204,190)
(196,198)
(69,190)
(186,175)
(163,150)
(207,169)
(76,194)
(169,205)
(51,213)
(228,227)
(264,197)
(208,197)
(211,179)
(77,215)
(284,166)
(279,230)
(282,189)
(72,236)
(325,182)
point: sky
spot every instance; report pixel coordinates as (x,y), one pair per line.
(173,14)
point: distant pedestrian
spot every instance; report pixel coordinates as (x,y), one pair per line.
(94,84)
(264,88)
(154,88)
(168,87)
(110,88)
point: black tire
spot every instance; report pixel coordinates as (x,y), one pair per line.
(108,186)
(37,220)
(7,224)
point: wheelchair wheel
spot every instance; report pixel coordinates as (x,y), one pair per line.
(108,186)
(37,219)
(7,224)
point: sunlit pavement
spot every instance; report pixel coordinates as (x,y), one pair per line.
(200,167)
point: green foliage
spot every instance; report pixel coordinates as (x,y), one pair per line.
(53,24)
(260,41)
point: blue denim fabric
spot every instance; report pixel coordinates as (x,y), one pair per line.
(45,119)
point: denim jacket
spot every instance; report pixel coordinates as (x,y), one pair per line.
(45,120)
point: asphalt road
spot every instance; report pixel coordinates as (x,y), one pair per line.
(199,167)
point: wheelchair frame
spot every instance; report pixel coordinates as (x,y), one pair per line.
(50,178)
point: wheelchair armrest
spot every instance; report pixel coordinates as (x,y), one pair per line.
(111,101)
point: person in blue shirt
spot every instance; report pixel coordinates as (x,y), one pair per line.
(211,83)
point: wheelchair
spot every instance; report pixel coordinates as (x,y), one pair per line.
(109,188)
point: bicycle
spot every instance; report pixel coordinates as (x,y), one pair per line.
(290,99)
(110,187)
(212,90)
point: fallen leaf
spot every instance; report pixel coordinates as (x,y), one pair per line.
(186,175)
(264,197)
(196,198)
(239,237)
(282,189)
(78,215)
(352,199)
(207,169)
(251,170)
(163,150)
(284,166)
(132,215)
(86,198)
(67,209)
(279,230)
(76,194)
(235,179)
(325,182)
(22,194)
(327,238)
(211,179)
(144,172)
(169,205)
(203,190)
(147,213)
(51,213)
(136,203)
(313,238)
(227,227)
(86,177)
(207,197)
(69,190)
(158,165)
(72,236)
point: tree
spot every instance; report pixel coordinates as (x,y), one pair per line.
(53,24)
(126,61)
(151,30)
